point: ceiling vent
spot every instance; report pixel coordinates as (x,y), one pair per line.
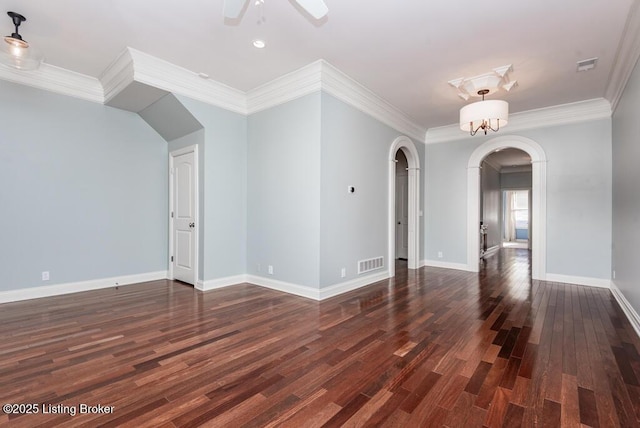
(587,64)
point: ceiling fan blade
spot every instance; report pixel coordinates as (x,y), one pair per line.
(316,8)
(232,8)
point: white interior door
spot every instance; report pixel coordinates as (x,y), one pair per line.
(184,251)
(402,216)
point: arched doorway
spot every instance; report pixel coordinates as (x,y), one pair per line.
(413,171)
(538,196)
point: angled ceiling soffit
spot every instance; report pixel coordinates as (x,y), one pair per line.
(135,66)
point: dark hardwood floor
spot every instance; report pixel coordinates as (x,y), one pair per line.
(432,347)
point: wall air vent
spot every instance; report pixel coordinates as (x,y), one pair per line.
(370,264)
(587,64)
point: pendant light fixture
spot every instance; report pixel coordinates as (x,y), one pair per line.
(485,115)
(17,52)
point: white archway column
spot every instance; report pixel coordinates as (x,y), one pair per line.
(539,201)
(406,145)
(414,218)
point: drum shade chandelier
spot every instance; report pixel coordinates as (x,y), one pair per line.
(17,52)
(484,115)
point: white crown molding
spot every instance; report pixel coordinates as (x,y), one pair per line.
(346,89)
(625,305)
(492,164)
(118,75)
(58,80)
(164,75)
(516,168)
(320,75)
(563,114)
(298,83)
(626,57)
(75,287)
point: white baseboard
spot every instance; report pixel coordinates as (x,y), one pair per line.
(314,293)
(491,250)
(579,280)
(212,284)
(75,287)
(445,265)
(287,287)
(343,287)
(625,305)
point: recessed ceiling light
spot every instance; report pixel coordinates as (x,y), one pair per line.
(259,43)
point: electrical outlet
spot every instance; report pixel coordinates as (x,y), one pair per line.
(343,272)
(45,275)
(270,270)
(258,267)
(614,274)
(440,254)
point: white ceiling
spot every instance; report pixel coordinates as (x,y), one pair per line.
(403,51)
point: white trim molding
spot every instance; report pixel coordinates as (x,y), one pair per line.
(76,287)
(582,111)
(446,265)
(539,203)
(413,159)
(296,84)
(132,65)
(320,75)
(285,287)
(213,284)
(59,80)
(316,293)
(354,284)
(346,89)
(626,57)
(625,305)
(162,74)
(579,280)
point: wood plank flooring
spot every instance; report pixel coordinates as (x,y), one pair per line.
(431,347)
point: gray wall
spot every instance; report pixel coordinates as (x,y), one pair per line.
(445,194)
(626,197)
(578,197)
(491,203)
(355,152)
(224,215)
(515,180)
(84,192)
(284,191)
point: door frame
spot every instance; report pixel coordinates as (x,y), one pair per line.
(172,155)
(402,175)
(538,206)
(413,161)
